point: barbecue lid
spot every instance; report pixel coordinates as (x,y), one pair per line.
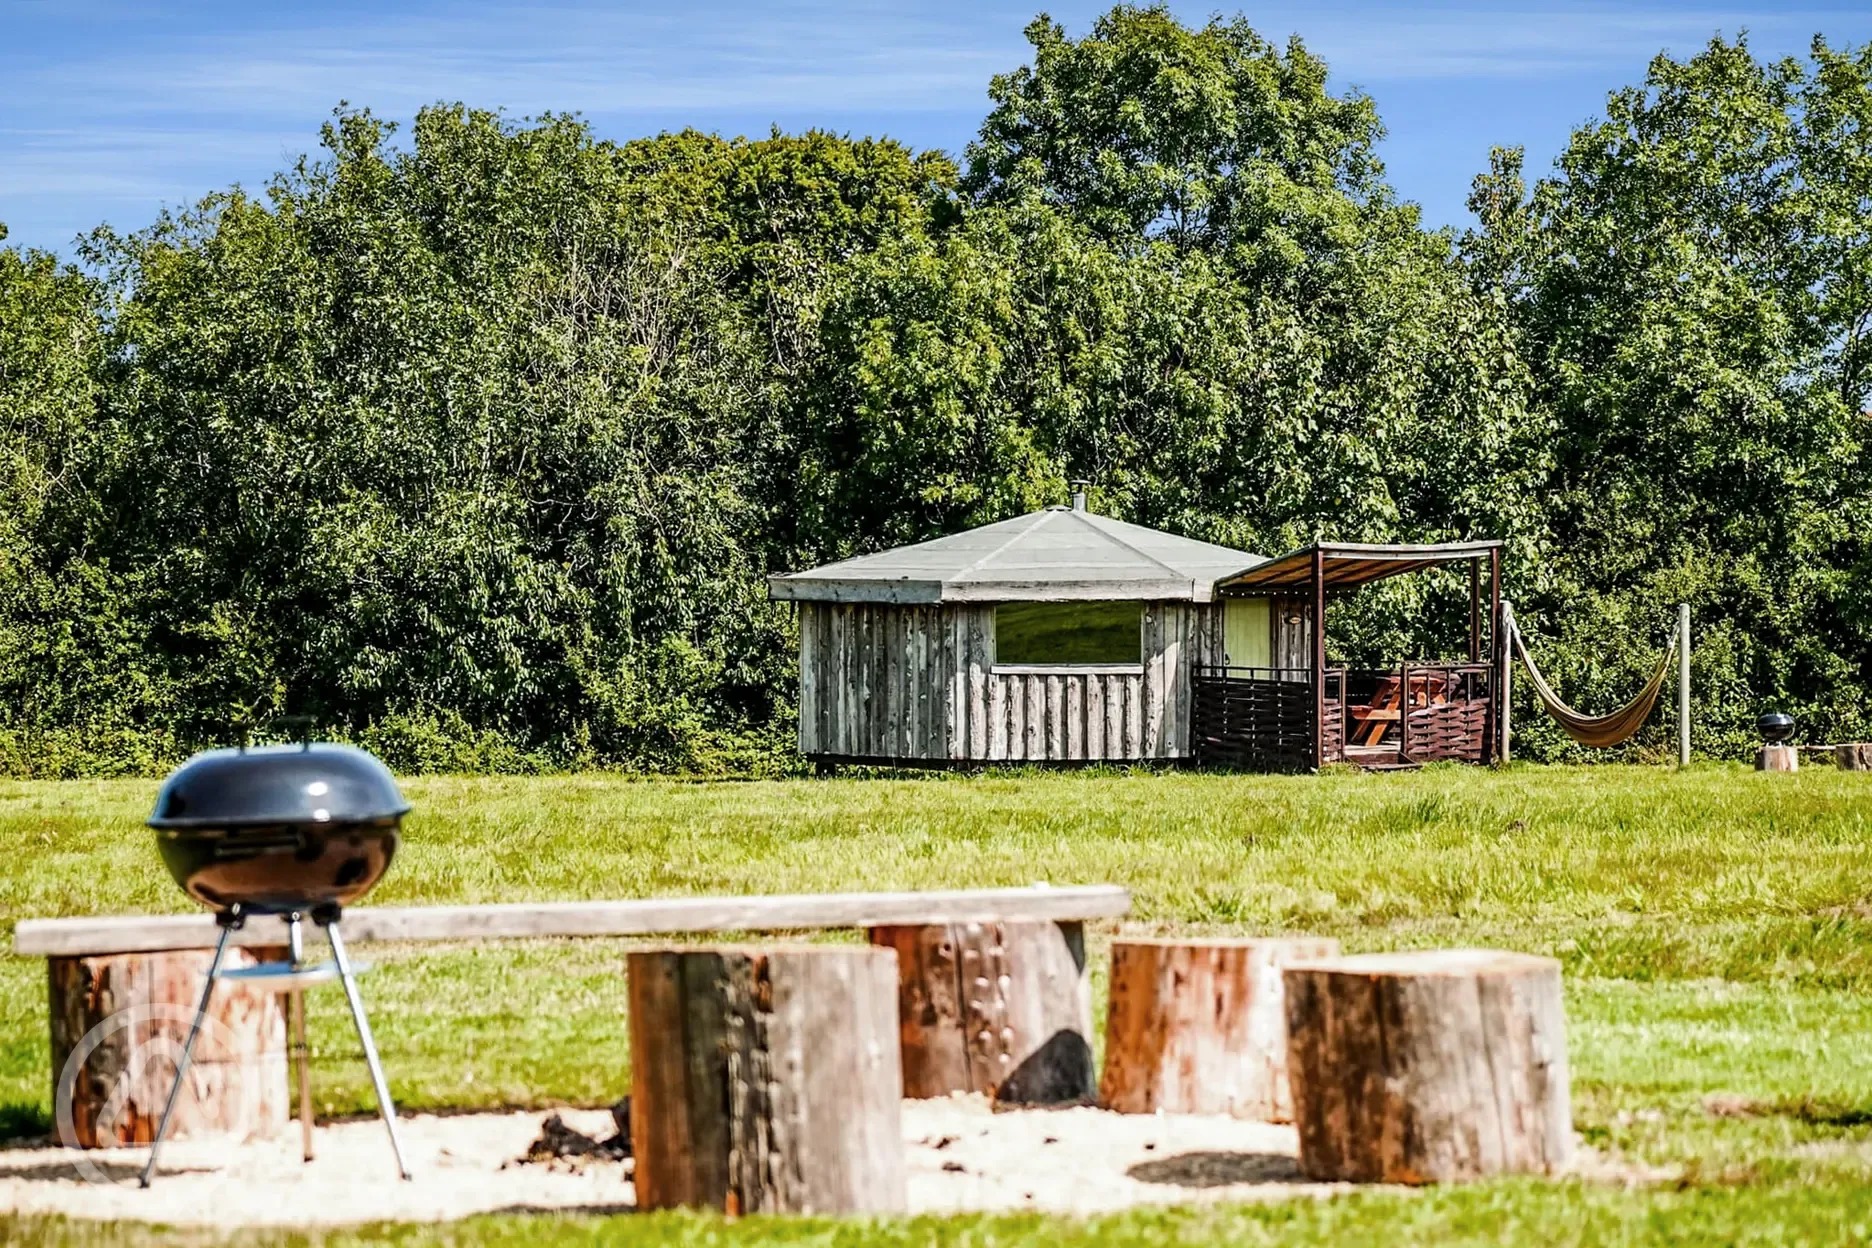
(310,783)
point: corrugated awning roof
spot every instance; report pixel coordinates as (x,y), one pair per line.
(1053,555)
(1346,565)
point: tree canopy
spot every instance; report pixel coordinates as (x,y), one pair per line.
(477,442)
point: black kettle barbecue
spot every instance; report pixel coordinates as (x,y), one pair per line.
(298,831)
(278,829)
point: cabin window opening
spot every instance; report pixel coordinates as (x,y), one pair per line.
(1069,634)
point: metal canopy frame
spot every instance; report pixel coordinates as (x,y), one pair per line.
(1347,566)
(1342,567)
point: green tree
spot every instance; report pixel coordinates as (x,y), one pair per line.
(1685,291)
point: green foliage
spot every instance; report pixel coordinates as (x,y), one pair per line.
(477,443)
(1691,296)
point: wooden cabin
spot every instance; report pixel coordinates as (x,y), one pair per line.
(1064,636)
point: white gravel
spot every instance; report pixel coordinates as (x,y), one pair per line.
(961,1157)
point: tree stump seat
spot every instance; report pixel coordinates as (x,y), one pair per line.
(1199,1026)
(999,1008)
(766,1080)
(123,1017)
(1428,1067)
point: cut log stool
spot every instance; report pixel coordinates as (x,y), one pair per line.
(766,1080)
(1004,1009)
(1428,1067)
(1854,757)
(1777,758)
(141,1005)
(1199,1026)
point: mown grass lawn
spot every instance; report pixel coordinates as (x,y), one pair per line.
(1715,926)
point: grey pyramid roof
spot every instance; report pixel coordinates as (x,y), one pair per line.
(1050,555)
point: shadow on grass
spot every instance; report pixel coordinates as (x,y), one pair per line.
(1821,1113)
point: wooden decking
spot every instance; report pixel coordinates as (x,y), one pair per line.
(1378,758)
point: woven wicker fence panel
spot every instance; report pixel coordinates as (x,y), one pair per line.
(1263,725)
(1450,730)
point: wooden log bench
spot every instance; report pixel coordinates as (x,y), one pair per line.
(99,967)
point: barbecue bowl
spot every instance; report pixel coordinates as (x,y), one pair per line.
(279,828)
(1775,727)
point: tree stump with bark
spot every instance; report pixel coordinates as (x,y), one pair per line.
(1428,1067)
(1199,1026)
(124,1016)
(1854,757)
(1777,758)
(1004,1009)
(766,1080)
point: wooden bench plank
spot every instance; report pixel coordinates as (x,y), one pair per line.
(80,937)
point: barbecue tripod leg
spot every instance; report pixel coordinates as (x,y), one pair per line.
(188,1048)
(301,1052)
(370,1045)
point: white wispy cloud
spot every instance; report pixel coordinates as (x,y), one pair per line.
(589,59)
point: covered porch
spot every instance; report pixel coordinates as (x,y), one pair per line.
(1288,707)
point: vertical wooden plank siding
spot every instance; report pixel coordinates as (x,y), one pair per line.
(1054,743)
(1075,715)
(829,673)
(978,720)
(808,678)
(1174,737)
(955,684)
(997,702)
(918,683)
(933,691)
(1153,683)
(839,673)
(1037,750)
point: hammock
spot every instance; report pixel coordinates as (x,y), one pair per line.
(1598,731)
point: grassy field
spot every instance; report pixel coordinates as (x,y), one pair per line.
(1715,927)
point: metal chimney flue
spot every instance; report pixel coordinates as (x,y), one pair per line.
(1079,494)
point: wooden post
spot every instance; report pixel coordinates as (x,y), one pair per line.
(766,1080)
(141,1005)
(1504,658)
(1427,1067)
(1777,758)
(1199,1026)
(1855,757)
(1683,684)
(1319,652)
(1475,610)
(1498,743)
(1004,1009)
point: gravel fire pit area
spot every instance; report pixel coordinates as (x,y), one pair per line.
(961,1156)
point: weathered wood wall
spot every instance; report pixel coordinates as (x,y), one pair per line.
(919,683)
(1293,636)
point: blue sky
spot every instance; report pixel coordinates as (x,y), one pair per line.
(109,110)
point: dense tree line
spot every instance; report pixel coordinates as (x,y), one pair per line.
(477,444)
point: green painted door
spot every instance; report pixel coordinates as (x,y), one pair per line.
(1247,632)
